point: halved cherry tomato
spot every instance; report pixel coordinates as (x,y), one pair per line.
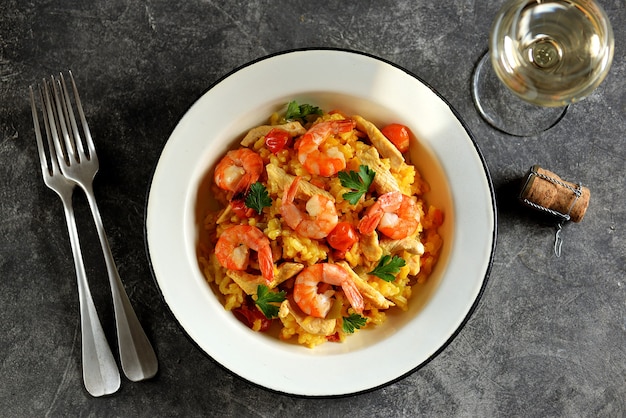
(343,237)
(248,316)
(398,135)
(436,215)
(339,255)
(277,139)
(240,209)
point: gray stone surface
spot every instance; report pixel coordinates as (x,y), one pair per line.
(549,335)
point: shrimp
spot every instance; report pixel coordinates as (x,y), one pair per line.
(307,297)
(320,219)
(323,163)
(233,249)
(238,170)
(394,214)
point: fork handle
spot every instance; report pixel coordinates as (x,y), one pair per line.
(137,356)
(100,373)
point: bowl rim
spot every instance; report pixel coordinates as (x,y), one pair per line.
(488,179)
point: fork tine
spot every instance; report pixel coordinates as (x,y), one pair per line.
(45,169)
(88,140)
(68,149)
(49,162)
(49,127)
(51,119)
(74,134)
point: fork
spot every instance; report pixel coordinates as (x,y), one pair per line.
(100,373)
(137,356)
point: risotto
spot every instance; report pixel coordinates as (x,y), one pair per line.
(323,227)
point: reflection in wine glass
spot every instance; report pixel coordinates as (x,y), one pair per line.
(543,56)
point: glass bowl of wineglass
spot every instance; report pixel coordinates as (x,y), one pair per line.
(543,56)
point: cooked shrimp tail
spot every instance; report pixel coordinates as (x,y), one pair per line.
(353,295)
(306,292)
(266,262)
(323,163)
(233,249)
(386,203)
(238,170)
(320,217)
(394,214)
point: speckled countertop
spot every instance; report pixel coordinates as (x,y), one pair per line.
(548,337)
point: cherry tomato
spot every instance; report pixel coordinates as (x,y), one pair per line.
(339,255)
(249,315)
(436,215)
(277,139)
(398,135)
(240,209)
(343,237)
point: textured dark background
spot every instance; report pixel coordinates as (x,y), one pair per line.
(548,337)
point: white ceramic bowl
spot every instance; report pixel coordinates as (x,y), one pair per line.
(445,154)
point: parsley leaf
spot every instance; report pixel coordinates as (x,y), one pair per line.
(388,267)
(296,111)
(266,300)
(258,198)
(352,322)
(359,181)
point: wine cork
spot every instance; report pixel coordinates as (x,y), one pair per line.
(545,190)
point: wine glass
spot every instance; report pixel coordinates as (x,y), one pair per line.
(543,55)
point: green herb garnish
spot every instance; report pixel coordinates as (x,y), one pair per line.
(388,267)
(352,322)
(258,198)
(359,182)
(296,111)
(266,300)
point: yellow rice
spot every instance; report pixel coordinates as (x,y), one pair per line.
(287,245)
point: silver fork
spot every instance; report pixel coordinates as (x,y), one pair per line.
(137,356)
(100,373)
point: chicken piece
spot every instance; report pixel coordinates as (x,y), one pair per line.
(384,181)
(306,190)
(253,135)
(250,282)
(312,325)
(370,247)
(414,264)
(409,244)
(385,147)
(374,296)
(227,212)
(287,270)
(246,281)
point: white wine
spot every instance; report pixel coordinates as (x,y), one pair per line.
(551,52)
(543,56)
